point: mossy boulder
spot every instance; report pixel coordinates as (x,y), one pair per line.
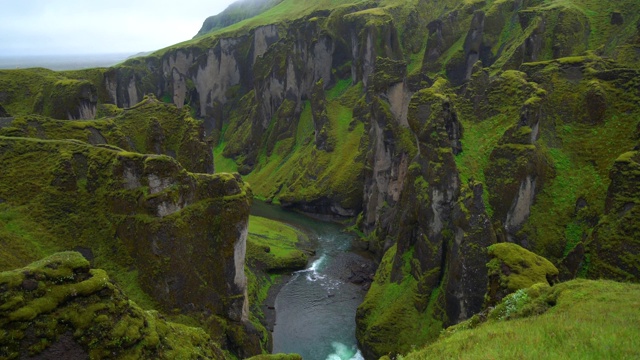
(512,268)
(60,304)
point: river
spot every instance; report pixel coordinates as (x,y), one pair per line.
(315,309)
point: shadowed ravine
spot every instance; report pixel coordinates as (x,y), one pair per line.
(315,310)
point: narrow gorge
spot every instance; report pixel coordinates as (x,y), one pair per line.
(480,151)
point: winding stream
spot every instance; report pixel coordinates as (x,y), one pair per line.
(315,309)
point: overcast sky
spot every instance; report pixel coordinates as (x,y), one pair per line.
(45,27)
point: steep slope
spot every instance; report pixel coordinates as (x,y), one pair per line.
(176,240)
(234,13)
(573,320)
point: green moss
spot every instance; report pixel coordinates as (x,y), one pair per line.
(105,203)
(69,302)
(514,268)
(310,174)
(272,245)
(149,127)
(388,320)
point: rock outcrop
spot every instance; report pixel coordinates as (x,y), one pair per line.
(45,92)
(615,241)
(61,307)
(439,232)
(149,127)
(180,237)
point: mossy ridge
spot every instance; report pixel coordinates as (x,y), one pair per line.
(47,92)
(60,299)
(79,199)
(149,127)
(585,314)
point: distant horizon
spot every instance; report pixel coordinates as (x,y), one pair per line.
(78,28)
(61,62)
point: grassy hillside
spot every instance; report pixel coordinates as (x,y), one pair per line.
(579,319)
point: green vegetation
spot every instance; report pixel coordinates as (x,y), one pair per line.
(546,119)
(60,301)
(272,245)
(580,319)
(311,173)
(235,13)
(512,268)
(150,127)
(388,320)
(111,204)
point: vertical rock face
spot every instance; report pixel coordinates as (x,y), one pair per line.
(439,231)
(320,118)
(183,234)
(615,241)
(473,233)
(68,99)
(517,168)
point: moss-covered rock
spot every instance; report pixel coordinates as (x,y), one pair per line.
(3,112)
(150,127)
(614,244)
(60,304)
(512,268)
(72,95)
(177,240)
(415,292)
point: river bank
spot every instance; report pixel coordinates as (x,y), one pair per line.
(312,311)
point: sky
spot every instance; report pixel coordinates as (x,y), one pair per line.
(69,27)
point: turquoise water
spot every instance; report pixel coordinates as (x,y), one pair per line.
(315,310)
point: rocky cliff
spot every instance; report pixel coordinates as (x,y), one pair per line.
(176,239)
(442,127)
(149,127)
